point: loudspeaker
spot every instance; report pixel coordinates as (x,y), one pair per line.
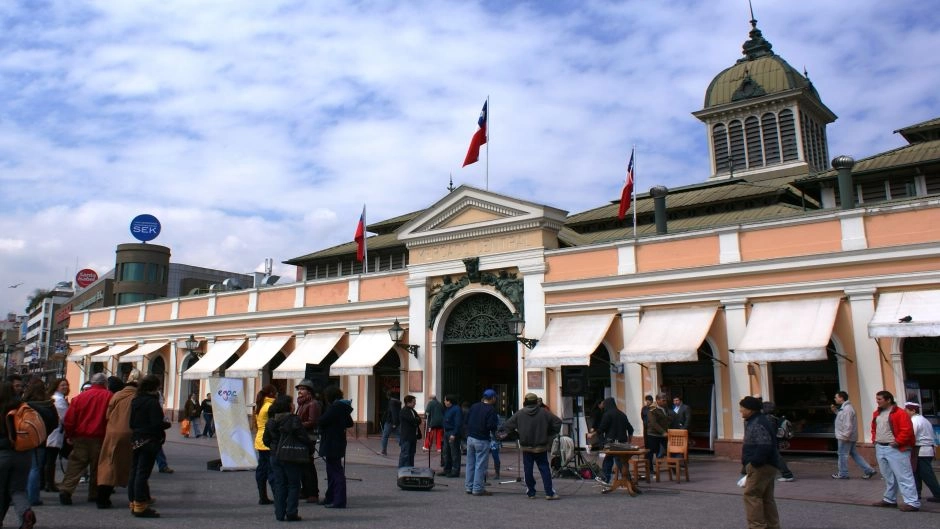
(415,478)
(574,381)
(319,375)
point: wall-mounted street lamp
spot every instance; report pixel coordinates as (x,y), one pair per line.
(396,332)
(516,325)
(192,344)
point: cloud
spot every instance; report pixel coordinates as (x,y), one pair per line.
(259,129)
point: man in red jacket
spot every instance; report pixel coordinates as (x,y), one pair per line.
(85,423)
(893,435)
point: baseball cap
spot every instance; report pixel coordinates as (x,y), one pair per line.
(531,397)
(489,394)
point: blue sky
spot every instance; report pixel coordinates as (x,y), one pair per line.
(258,129)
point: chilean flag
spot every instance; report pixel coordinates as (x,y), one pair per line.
(479,138)
(360,237)
(627,193)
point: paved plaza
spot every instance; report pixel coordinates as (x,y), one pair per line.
(196,497)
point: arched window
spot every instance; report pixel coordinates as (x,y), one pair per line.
(771,138)
(720,141)
(788,136)
(736,139)
(755,155)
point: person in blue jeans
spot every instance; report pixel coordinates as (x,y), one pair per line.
(481,425)
(282,423)
(37,399)
(536,427)
(408,426)
(390,420)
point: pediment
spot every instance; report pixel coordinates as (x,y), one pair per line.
(469,212)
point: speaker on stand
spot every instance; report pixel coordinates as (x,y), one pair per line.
(574,384)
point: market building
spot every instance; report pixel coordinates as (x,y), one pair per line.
(775,276)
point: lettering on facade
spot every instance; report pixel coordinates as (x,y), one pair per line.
(459,250)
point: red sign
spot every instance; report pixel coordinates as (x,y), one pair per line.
(85,277)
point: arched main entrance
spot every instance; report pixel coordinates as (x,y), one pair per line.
(695,383)
(922,373)
(802,392)
(478,352)
(387,375)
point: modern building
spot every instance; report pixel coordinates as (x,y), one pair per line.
(768,278)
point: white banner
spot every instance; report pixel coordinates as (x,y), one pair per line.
(230,412)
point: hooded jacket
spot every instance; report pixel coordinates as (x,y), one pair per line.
(537,427)
(333,424)
(614,424)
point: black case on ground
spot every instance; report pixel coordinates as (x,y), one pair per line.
(415,478)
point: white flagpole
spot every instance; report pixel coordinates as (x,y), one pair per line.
(487,181)
(365,243)
(633,155)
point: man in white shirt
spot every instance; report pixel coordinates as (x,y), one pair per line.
(847,436)
(923,452)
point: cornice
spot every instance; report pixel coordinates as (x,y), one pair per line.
(484,231)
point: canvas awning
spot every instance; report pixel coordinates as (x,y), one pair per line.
(143,351)
(218,354)
(311,349)
(669,335)
(259,353)
(366,351)
(788,331)
(80,355)
(921,308)
(112,351)
(569,340)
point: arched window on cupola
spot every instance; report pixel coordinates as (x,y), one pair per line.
(736,141)
(755,154)
(771,138)
(788,136)
(720,142)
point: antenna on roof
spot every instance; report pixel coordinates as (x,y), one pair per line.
(450,187)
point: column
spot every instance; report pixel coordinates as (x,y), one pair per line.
(632,397)
(739,382)
(867,355)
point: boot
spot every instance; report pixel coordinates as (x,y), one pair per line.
(103,498)
(140,509)
(263,494)
(49,472)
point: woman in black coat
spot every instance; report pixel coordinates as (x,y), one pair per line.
(282,423)
(148,432)
(333,424)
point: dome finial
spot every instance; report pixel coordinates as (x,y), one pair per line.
(756,46)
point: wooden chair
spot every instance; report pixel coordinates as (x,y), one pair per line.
(677,455)
(640,464)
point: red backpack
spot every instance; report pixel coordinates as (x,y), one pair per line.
(25,428)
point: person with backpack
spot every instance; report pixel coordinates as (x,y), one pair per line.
(14,464)
(784,429)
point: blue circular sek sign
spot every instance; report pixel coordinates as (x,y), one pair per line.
(145,227)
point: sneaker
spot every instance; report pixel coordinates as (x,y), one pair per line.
(883,503)
(146,513)
(836,476)
(904,507)
(482,493)
(868,475)
(785,480)
(553,497)
(530,496)
(29,519)
(600,480)
(166,470)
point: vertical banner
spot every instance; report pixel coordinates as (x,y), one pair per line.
(230,412)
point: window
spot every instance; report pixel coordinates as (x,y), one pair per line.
(720,140)
(133,271)
(125,298)
(755,155)
(736,137)
(788,136)
(771,138)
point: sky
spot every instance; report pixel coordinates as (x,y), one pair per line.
(257,130)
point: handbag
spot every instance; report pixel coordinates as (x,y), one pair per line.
(418,434)
(291,450)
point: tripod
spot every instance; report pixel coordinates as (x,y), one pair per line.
(578,413)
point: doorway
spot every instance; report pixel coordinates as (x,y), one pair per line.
(694,382)
(387,375)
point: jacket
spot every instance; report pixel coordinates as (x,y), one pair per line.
(614,424)
(114,462)
(333,424)
(760,442)
(846,423)
(481,421)
(682,417)
(192,409)
(901,427)
(261,419)
(87,416)
(537,427)
(47,412)
(281,425)
(434,412)
(658,421)
(409,423)
(147,420)
(453,421)
(393,412)
(309,410)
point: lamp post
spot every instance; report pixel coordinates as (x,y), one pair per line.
(191,344)
(396,333)
(516,325)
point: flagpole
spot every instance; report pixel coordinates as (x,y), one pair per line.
(486,183)
(633,155)
(365,242)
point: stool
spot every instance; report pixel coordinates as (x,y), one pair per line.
(636,464)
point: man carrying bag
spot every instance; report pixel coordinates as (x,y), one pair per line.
(309,410)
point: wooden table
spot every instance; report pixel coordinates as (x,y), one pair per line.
(622,477)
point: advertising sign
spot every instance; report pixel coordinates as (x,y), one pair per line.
(230,412)
(85,277)
(145,227)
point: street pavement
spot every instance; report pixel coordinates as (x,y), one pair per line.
(196,497)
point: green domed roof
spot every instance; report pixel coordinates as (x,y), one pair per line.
(760,72)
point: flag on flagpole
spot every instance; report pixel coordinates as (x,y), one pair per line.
(479,138)
(627,193)
(360,236)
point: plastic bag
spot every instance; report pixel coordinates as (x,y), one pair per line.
(185,426)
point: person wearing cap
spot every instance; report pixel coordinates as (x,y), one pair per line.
(481,424)
(537,427)
(760,458)
(85,424)
(922,460)
(206,406)
(846,429)
(893,436)
(309,411)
